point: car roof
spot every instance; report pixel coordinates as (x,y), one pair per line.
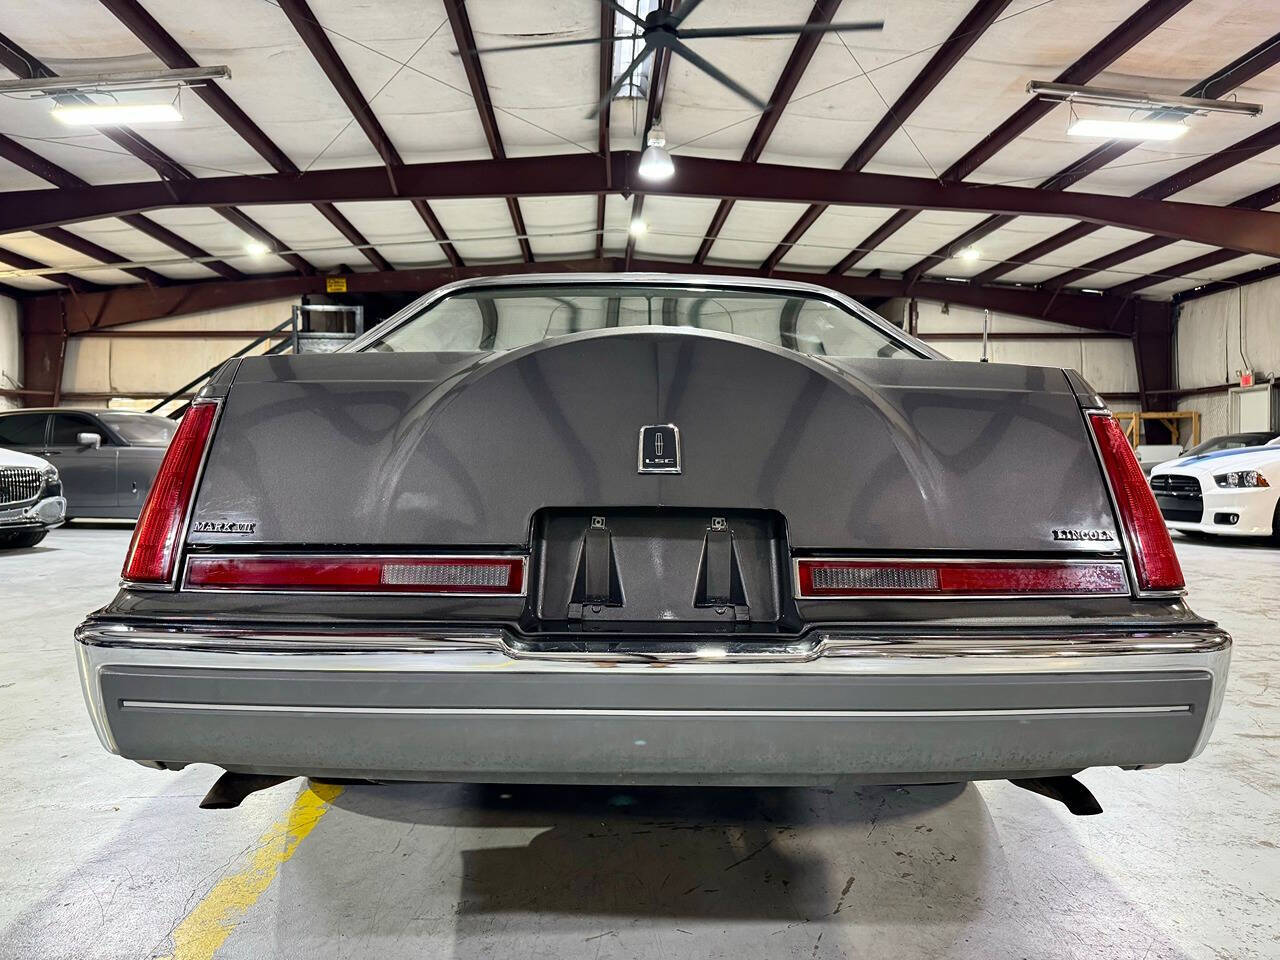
(95,411)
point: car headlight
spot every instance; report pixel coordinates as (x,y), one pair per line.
(1241,478)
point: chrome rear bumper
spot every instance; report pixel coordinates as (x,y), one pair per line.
(485,706)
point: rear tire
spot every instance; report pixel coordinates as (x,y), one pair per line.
(20,539)
(1275,526)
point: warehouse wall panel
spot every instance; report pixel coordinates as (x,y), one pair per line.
(1220,335)
(10,351)
(122,367)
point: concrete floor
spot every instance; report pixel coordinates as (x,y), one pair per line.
(107,859)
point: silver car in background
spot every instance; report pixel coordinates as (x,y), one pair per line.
(30,499)
(107,458)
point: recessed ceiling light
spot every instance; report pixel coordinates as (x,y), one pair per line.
(1127,129)
(638,227)
(256,248)
(115,114)
(969,253)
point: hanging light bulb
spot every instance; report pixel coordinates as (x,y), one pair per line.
(655,162)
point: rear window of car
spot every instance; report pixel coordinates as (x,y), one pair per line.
(1231,441)
(140,429)
(503,318)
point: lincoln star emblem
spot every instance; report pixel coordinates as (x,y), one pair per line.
(659,449)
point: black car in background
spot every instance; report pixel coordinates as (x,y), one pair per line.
(107,458)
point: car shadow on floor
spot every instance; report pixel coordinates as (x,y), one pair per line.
(674,852)
(483,871)
(879,870)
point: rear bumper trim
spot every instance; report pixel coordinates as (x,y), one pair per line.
(820,644)
(574,712)
(476,706)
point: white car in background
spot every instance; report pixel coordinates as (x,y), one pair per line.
(1229,485)
(31,499)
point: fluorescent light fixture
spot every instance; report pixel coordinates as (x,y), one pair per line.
(115,114)
(1138,99)
(118,80)
(655,162)
(638,227)
(256,248)
(969,253)
(1127,129)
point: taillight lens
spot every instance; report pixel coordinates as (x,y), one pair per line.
(1154,559)
(154,549)
(832,579)
(444,575)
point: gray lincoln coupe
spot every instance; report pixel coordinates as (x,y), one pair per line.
(650,529)
(107,458)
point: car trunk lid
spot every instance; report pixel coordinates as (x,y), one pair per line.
(463,450)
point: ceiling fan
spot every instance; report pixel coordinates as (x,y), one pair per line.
(662,30)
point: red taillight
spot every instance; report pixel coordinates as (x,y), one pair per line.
(154,549)
(1154,559)
(444,575)
(829,579)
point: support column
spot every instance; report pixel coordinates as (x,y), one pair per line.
(1153,355)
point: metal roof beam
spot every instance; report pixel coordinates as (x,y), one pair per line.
(461,25)
(161,43)
(317,41)
(1229,283)
(1241,70)
(1210,166)
(24,64)
(1249,231)
(22,262)
(100,311)
(32,162)
(13,57)
(1122,39)
(952,50)
(1266,197)
(607,26)
(822,13)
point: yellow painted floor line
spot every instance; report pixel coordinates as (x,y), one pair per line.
(199,935)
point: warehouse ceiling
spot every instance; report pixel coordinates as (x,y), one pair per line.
(938,97)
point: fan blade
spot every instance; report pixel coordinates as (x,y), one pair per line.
(620,82)
(685,9)
(537,46)
(619,8)
(715,72)
(780,30)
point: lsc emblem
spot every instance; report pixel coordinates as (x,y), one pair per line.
(659,449)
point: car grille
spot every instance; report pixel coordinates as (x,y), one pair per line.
(1179,497)
(18,484)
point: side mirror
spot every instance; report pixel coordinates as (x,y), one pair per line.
(92,440)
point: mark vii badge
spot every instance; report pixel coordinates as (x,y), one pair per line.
(224,526)
(659,449)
